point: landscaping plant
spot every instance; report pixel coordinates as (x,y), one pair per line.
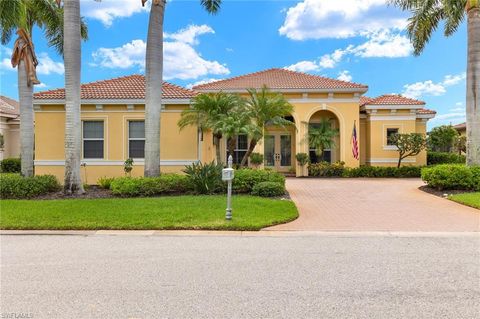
(256,159)
(434,158)
(18,187)
(326,169)
(151,186)
(452,176)
(246,179)
(10,165)
(205,178)
(408,145)
(268,189)
(302,160)
(442,138)
(128,166)
(321,137)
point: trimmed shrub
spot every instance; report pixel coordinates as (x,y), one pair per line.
(380,171)
(325,169)
(105,182)
(205,178)
(268,189)
(246,179)
(150,186)
(10,165)
(434,158)
(256,159)
(16,186)
(452,176)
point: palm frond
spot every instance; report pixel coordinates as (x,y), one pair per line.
(212,6)
(454,15)
(12,16)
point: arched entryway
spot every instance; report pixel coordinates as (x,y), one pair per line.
(326,120)
(279,146)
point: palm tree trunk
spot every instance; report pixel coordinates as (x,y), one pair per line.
(473,83)
(25,97)
(251,147)
(218,155)
(72,58)
(231,146)
(153,89)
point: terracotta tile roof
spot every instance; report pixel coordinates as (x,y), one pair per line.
(461,126)
(130,87)
(279,79)
(9,106)
(391,99)
(426,111)
(364,100)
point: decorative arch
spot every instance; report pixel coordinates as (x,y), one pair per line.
(341,122)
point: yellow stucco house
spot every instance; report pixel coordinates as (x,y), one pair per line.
(113,129)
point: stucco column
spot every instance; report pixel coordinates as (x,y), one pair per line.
(301,145)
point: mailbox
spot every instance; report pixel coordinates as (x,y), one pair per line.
(227,174)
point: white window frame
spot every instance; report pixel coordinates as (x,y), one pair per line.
(134,138)
(93,139)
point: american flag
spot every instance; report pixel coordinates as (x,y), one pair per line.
(355,141)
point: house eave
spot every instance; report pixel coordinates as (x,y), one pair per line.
(108,101)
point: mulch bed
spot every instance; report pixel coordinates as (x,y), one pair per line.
(91,192)
(441,193)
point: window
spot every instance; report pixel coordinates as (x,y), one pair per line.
(241,148)
(136,139)
(93,139)
(391,132)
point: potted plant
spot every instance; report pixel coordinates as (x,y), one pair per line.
(128,166)
(302,160)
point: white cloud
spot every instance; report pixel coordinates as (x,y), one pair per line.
(40,86)
(107,10)
(189,35)
(204,81)
(181,60)
(418,89)
(384,44)
(47,66)
(329,61)
(345,76)
(314,19)
(304,66)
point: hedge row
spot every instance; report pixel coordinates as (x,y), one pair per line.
(434,158)
(452,176)
(338,169)
(16,186)
(10,165)
(247,181)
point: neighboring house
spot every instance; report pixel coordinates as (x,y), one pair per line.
(9,127)
(113,127)
(461,128)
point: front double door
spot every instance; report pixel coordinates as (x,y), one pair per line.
(278,151)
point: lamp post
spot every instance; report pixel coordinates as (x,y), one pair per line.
(227,175)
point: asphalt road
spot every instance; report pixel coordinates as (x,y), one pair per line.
(344,276)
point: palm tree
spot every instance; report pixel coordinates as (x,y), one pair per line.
(426,16)
(21,16)
(153,81)
(321,136)
(265,108)
(72,58)
(236,122)
(207,111)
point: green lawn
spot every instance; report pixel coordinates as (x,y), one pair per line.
(175,212)
(469,199)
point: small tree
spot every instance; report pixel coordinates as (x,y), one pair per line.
(302,159)
(408,145)
(442,138)
(256,159)
(460,144)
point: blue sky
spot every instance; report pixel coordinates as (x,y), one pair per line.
(358,40)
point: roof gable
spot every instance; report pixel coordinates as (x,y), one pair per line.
(9,106)
(278,79)
(130,87)
(390,99)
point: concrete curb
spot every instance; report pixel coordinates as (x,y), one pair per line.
(263,233)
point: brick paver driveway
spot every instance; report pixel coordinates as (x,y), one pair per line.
(374,205)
